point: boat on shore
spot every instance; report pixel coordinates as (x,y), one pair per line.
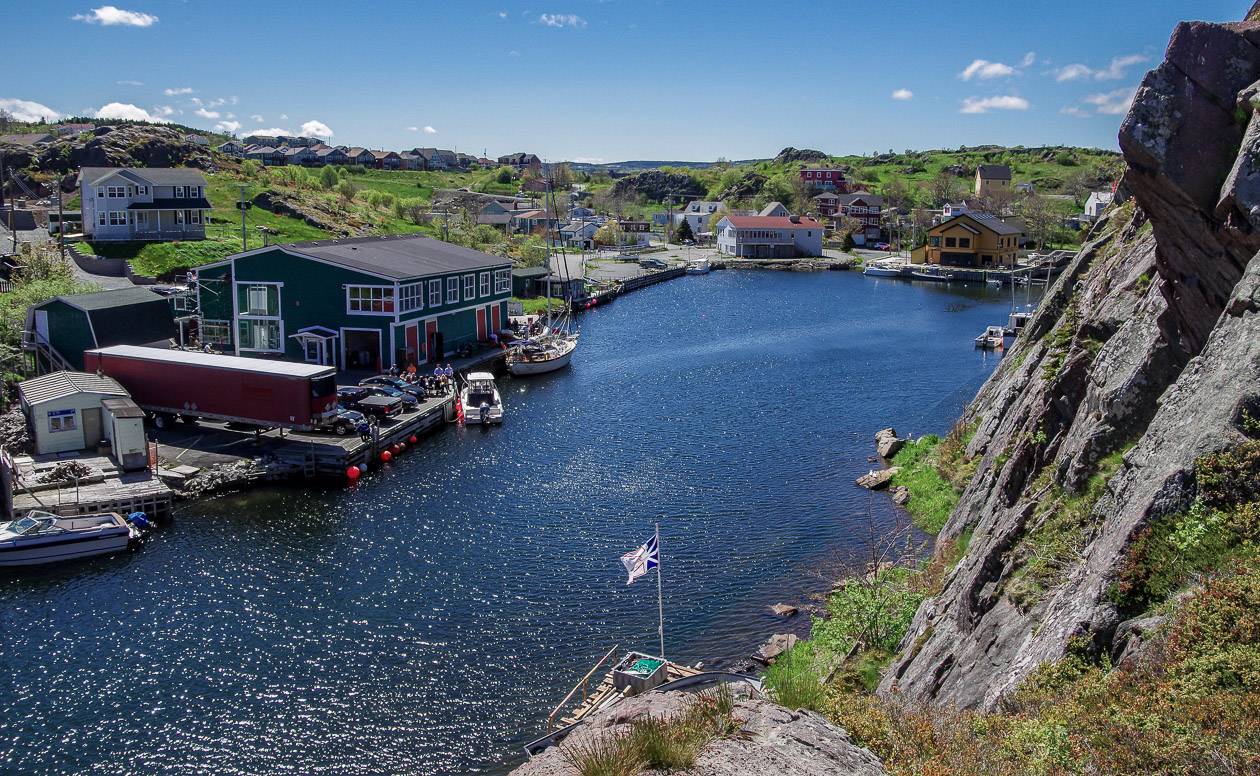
(698,267)
(480,399)
(42,537)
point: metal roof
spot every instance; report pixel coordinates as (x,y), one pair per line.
(157,176)
(123,408)
(58,385)
(121,297)
(400,258)
(994,172)
(196,357)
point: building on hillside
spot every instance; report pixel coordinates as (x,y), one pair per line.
(992,179)
(769,237)
(197,140)
(697,214)
(231,148)
(151,203)
(326,156)
(495,213)
(774,210)
(826,203)
(522,161)
(973,239)
(432,159)
(361,303)
(360,156)
(531,221)
(261,140)
(410,161)
(826,178)
(579,234)
(299,155)
(386,160)
(1098,202)
(866,208)
(65,326)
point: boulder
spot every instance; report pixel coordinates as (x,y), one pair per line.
(785,610)
(775,646)
(887,444)
(878,478)
(900,495)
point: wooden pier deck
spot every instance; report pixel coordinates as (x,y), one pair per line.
(604,692)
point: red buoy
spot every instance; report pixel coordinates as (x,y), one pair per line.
(402,447)
(386,456)
(412,439)
(353,473)
(395,449)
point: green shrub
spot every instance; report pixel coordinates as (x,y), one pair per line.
(666,744)
(932,497)
(604,755)
(796,678)
(1230,477)
(873,611)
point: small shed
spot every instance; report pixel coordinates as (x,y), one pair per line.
(72,324)
(124,428)
(524,281)
(63,409)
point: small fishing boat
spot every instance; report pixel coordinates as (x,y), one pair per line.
(993,281)
(992,338)
(42,537)
(883,268)
(541,355)
(938,275)
(698,267)
(480,399)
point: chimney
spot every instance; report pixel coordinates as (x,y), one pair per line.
(794,219)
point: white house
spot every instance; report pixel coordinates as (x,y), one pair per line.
(697,214)
(1096,204)
(579,234)
(769,237)
(126,203)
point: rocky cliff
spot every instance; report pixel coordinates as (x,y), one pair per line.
(1142,358)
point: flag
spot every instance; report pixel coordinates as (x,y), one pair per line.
(642,560)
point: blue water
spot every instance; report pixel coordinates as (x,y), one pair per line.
(427,620)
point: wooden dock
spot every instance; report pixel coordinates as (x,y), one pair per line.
(604,693)
(106,490)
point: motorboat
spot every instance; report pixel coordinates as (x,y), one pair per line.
(42,537)
(993,281)
(884,268)
(938,275)
(698,267)
(480,400)
(536,356)
(992,338)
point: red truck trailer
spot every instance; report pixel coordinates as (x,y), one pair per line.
(190,385)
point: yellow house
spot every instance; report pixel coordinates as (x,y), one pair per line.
(992,179)
(980,240)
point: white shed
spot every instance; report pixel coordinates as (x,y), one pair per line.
(124,428)
(63,409)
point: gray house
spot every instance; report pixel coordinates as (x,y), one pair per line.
(127,203)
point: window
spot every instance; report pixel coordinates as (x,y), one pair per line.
(951,242)
(216,332)
(411,297)
(142,191)
(470,287)
(485,284)
(452,290)
(100,217)
(100,191)
(260,335)
(935,242)
(259,300)
(116,192)
(964,242)
(118,218)
(194,192)
(61,420)
(435,293)
(502,281)
(179,192)
(370,299)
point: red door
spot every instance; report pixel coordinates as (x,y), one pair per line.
(495,320)
(481,324)
(413,342)
(430,331)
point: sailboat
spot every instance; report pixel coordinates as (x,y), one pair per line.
(550,349)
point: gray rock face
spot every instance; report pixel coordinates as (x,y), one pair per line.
(1150,339)
(774,742)
(878,478)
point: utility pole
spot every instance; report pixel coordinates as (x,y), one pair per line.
(61,221)
(244,234)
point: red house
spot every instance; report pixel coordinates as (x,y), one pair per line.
(824,178)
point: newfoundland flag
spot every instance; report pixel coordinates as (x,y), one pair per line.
(642,560)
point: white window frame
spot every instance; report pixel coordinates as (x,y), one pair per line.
(470,287)
(485,284)
(65,420)
(118,218)
(411,297)
(387,299)
(435,293)
(502,281)
(222,332)
(142,191)
(250,341)
(452,289)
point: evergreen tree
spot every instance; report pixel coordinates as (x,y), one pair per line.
(683,232)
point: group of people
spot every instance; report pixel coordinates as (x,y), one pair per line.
(437,384)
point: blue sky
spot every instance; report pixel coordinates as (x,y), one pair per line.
(606,80)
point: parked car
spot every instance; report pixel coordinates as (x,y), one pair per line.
(345,422)
(651,263)
(355,397)
(881,246)
(390,381)
(409,401)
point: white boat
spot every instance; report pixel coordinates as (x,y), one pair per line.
(884,268)
(938,275)
(698,267)
(992,338)
(993,281)
(42,537)
(480,399)
(539,356)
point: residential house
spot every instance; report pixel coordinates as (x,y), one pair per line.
(300,155)
(531,221)
(231,148)
(826,178)
(364,303)
(411,161)
(992,179)
(386,160)
(331,156)
(1098,202)
(525,281)
(197,140)
(261,140)
(774,210)
(360,156)
(973,239)
(522,161)
(576,213)
(495,213)
(432,159)
(867,208)
(65,326)
(635,232)
(579,234)
(270,156)
(151,203)
(826,203)
(769,237)
(697,215)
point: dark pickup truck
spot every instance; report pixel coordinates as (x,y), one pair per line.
(357,398)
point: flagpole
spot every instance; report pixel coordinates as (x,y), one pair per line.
(660,596)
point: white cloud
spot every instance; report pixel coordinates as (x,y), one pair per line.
(228,126)
(985,70)
(503,14)
(108,16)
(561,20)
(125,110)
(284,117)
(258,118)
(986,104)
(207,114)
(1112,103)
(514,53)
(314,128)
(172,91)
(413,129)
(271,131)
(1115,70)
(1075,111)
(1029,59)
(130,83)
(230,116)
(163,110)
(903,95)
(430,130)
(28,111)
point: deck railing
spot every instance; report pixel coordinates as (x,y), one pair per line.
(583,685)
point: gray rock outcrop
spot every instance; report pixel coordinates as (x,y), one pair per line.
(1137,363)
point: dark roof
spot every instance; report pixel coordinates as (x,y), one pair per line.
(134,316)
(865,196)
(988,221)
(530,272)
(400,258)
(182,203)
(994,172)
(20,220)
(158,176)
(32,138)
(121,297)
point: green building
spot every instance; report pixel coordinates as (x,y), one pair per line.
(361,303)
(60,329)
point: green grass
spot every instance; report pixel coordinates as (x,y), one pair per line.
(538,305)
(795,681)
(932,497)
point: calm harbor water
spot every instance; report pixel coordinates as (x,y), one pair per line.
(427,620)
